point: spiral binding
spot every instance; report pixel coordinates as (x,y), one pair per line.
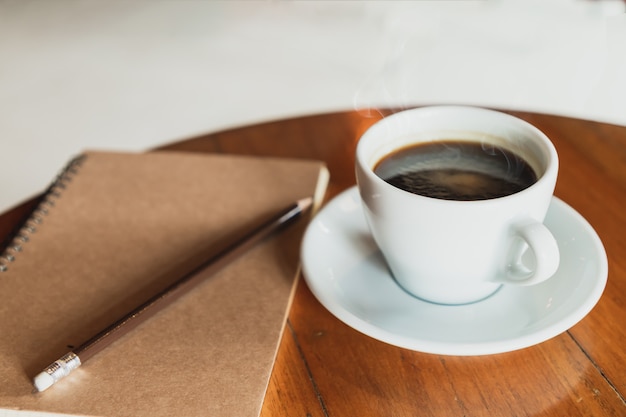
(15,241)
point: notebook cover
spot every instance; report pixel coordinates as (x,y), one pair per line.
(125,226)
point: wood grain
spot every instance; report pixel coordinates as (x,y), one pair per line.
(325,368)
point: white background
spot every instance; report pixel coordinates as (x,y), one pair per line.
(130,75)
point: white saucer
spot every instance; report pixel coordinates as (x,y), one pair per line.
(348,275)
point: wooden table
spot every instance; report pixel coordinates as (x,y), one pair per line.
(325,368)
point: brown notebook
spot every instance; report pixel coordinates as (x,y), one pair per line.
(117,228)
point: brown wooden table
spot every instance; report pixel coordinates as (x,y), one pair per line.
(325,368)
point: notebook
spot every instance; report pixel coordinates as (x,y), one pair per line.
(114,228)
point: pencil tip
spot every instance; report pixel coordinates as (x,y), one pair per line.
(305,203)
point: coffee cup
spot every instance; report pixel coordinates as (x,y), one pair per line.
(455,199)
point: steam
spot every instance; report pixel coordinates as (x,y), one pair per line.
(509,163)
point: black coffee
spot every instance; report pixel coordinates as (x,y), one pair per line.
(456,170)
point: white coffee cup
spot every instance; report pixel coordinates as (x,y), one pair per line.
(457,252)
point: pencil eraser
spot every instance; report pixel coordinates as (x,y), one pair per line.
(43,381)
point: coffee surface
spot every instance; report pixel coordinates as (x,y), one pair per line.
(456,170)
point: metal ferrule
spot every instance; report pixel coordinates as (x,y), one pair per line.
(63,366)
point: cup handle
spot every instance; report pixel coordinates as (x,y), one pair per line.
(541,242)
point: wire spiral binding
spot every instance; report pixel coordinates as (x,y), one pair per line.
(15,241)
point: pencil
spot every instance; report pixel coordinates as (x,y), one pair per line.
(63,366)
